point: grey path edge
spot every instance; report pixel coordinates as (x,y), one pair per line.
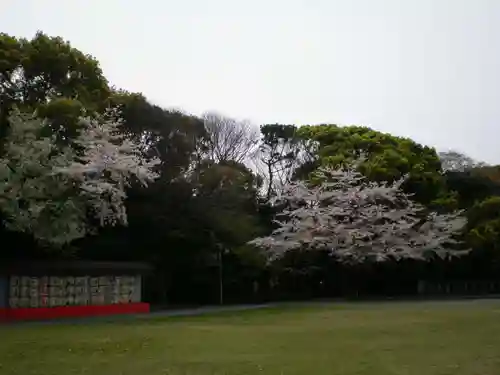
(154,314)
(220,309)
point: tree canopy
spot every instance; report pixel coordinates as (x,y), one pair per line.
(48,74)
(387,157)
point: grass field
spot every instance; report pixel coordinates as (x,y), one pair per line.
(455,338)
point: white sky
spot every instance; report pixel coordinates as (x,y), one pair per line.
(425,69)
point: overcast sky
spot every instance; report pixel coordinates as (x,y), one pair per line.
(425,69)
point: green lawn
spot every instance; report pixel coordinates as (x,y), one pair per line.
(456,338)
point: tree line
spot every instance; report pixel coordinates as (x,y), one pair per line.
(95,172)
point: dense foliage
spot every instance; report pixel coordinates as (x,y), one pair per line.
(93,172)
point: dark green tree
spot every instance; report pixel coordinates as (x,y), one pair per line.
(281,151)
(387,157)
(47,74)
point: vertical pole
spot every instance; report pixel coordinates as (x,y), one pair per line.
(221,283)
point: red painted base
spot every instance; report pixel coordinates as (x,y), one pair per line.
(42,313)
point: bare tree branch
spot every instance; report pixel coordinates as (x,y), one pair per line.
(229,139)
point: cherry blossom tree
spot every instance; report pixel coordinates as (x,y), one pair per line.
(357,220)
(58,191)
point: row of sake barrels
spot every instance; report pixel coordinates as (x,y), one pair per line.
(57,291)
(45,301)
(35,282)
